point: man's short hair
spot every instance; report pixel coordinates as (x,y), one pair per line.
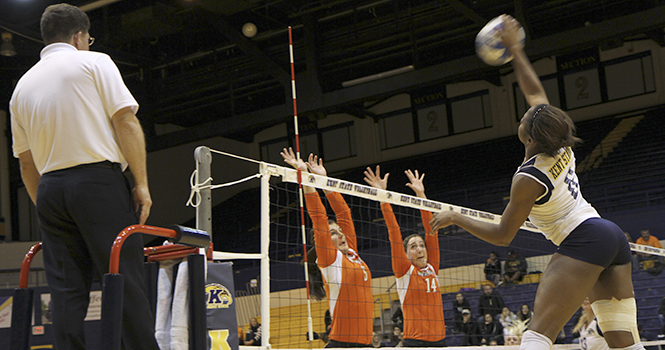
(62,21)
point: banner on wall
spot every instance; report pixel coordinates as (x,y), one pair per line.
(221,306)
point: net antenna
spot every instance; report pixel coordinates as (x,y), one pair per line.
(310,331)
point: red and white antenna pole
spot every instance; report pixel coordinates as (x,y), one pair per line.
(310,331)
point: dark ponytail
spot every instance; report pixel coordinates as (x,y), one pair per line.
(316,288)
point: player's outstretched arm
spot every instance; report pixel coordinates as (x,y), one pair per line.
(523,194)
(291,159)
(527,78)
(375,180)
(315,165)
(400,262)
(416,183)
(431,239)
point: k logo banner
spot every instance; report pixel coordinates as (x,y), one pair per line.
(218,297)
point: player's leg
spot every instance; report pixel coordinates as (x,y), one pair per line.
(557,300)
(616,282)
(612,298)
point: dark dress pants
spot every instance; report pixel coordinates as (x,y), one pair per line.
(81,211)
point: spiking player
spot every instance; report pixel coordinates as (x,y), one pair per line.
(416,267)
(593,258)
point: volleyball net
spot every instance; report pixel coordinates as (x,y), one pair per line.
(278,294)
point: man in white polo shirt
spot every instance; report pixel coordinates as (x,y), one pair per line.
(74,131)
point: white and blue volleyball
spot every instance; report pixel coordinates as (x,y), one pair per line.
(489,46)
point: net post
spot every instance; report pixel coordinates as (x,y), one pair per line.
(265,259)
(203,159)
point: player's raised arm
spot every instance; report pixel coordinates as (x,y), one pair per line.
(431,239)
(291,159)
(527,78)
(400,261)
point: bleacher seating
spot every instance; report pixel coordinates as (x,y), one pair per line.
(649,291)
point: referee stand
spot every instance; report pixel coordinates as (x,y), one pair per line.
(189,242)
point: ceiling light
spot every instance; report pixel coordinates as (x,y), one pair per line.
(249,29)
(7,48)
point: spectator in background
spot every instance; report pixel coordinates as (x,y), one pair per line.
(241,336)
(398,337)
(493,269)
(253,336)
(470,329)
(491,330)
(398,316)
(490,302)
(507,317)
(514,268)
(648,239)
(459,305)
(376,340)
(525,313)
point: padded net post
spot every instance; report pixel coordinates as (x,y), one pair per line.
(204,209)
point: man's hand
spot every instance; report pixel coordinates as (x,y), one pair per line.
(142,202)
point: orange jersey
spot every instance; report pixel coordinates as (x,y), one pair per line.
(348,281)
(418,289)
(653,241)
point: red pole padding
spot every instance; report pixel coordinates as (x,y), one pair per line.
(25,266)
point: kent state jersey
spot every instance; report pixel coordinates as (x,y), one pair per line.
(561,208)
(591,338)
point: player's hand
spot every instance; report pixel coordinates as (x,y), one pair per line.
(142,202)
(416,183)
(509,33)
(441,220)
(290,159)
(316,165)
(374,179)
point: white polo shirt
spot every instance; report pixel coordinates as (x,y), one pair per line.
(61,109)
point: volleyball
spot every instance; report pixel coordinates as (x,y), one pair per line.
(489,46)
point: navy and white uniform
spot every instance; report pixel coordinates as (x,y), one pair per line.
(566,218)
(561,208)
(591,338)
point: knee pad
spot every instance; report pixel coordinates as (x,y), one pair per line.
(617,315)
(535,341)
(636,346)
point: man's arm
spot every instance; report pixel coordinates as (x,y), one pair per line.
(29,174)
(131,140)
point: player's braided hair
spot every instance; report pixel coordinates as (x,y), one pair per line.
(552,129)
